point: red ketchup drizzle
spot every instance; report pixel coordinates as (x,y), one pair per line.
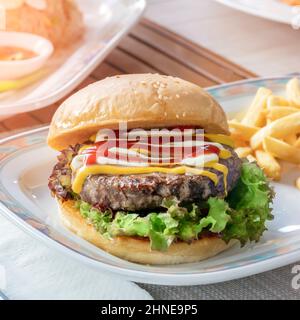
(94,150)
(206,149)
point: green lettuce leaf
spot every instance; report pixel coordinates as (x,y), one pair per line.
(163,229)
(250,205)
(218,212)
(215,221)
(129,225)
(100,220)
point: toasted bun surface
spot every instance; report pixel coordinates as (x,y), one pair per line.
(137,249)
(142,100)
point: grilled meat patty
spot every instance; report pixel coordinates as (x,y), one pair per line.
(143,192)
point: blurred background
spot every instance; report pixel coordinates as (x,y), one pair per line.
(263,46)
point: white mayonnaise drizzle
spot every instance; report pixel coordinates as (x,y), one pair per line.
(200,161)
(78,162)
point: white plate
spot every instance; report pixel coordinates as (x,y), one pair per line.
(270,9)
(106,21)
(26,162)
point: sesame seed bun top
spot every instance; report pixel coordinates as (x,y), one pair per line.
(142,100)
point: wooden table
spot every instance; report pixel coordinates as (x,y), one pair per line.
(148,48)
(264,47)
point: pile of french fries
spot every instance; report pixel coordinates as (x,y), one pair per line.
(270,130)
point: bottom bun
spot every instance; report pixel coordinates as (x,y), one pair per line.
(138,249)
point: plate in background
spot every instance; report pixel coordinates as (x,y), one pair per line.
(274,10)
(26,163)
(106,21)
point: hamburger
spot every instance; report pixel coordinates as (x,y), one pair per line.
(134,193)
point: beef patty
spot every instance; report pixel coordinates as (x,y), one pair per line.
(146,191)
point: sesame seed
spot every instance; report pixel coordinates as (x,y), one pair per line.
(177,96)
(177,116)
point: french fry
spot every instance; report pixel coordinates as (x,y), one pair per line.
(238,142)
(282,150)
(293,92)
(291,139)
(242,130)
(243,152)
(268,121)
(254,115)
(275,113)
(266,111)
(269,164)
(280,128)
(276,101)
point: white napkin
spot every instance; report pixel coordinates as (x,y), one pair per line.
(34,271)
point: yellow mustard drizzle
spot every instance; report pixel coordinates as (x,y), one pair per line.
(225,154)
(220,138)
(220,167)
